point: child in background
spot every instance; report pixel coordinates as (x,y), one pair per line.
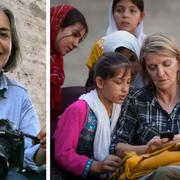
(125,15)
(83,133)
(126,44)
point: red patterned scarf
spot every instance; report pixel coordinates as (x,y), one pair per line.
(57,17)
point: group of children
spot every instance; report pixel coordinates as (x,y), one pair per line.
(85,129)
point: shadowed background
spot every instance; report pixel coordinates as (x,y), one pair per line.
(161,16)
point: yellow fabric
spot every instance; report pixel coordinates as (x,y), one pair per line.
(96,52)
(134,166)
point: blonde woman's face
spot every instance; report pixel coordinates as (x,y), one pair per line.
(127,16)
(162,70)
(5,39)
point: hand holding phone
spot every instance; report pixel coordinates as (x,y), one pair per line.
(169,135)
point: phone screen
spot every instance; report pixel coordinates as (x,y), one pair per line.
(169,135)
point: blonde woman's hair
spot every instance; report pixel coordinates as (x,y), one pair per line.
(161,44)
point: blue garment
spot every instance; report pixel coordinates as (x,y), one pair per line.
(16,106)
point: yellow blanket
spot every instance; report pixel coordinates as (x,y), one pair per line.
(134,166)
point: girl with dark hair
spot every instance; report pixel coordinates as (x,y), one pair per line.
(127,15)
(68,29)
(83,149)
(124,15)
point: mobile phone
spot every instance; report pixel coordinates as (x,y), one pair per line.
(168,134)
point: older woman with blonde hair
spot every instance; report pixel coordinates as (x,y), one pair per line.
(156,107)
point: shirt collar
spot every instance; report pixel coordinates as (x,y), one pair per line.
(3,85)
(148,95)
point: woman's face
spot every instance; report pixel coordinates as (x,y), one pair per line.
(5,39)
(162,70)
(127,16)
(118,86)
(69,38)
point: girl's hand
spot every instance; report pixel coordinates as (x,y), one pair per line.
(110,164)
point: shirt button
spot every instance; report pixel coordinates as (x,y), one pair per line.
(168,130)
(169,119)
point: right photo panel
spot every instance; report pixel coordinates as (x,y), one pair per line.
(114,90)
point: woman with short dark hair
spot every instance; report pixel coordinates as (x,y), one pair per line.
(15,104)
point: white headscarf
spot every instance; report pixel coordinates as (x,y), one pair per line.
(127,40)
(121,39)
(112,26)
(102,138)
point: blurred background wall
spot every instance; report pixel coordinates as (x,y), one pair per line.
(31,27)
(161,16)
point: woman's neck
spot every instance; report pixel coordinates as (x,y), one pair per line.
(170,97)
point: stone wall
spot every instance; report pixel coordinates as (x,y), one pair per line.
(161,16)
(31,27)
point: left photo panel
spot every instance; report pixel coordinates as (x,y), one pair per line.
(23,89)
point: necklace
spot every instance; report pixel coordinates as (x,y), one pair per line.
(167,104)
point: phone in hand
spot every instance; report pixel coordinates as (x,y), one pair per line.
(169,135)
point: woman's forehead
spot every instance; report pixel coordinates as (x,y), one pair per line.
(4,21)
(156,58)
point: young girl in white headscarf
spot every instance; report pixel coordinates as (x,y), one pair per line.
(125,15)
(126,44)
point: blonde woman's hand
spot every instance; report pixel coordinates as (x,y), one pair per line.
(177,138)
(157,143)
